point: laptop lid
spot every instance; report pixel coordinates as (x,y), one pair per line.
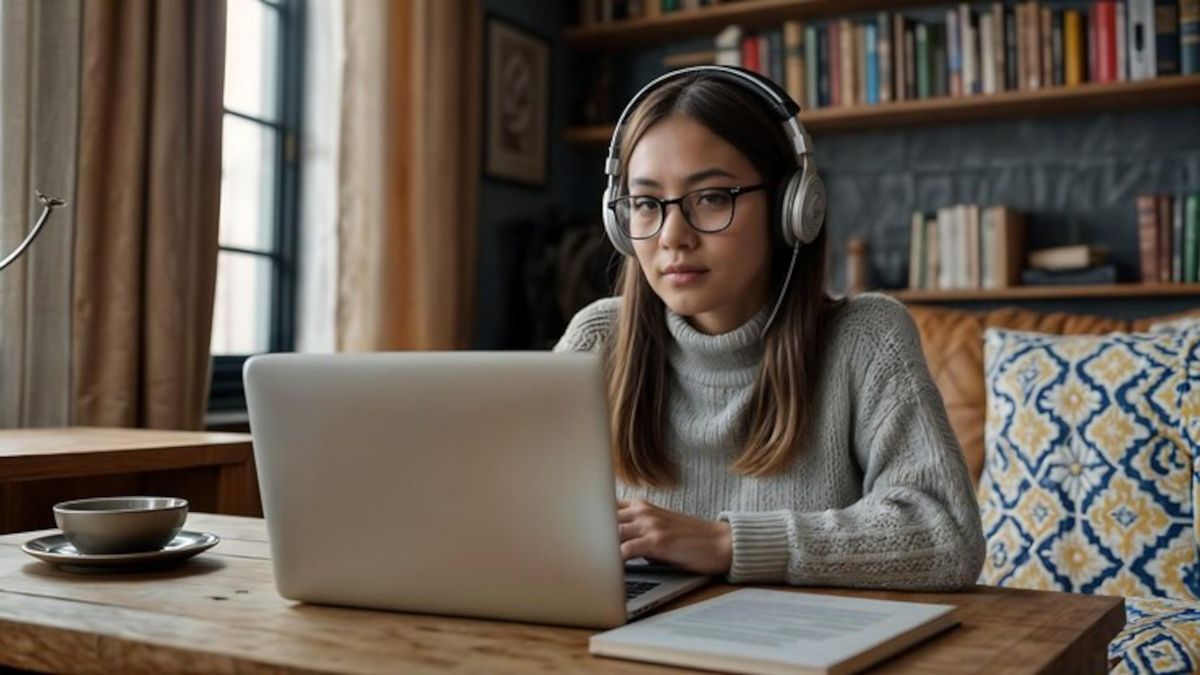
(467,483)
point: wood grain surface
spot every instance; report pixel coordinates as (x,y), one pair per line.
(219,613)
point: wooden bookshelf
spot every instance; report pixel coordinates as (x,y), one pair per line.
(680,25)
(1100,291)
(1085,98)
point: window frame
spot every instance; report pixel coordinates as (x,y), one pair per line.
(227,392)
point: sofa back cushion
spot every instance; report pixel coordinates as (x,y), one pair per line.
(953,345)
(1091,462)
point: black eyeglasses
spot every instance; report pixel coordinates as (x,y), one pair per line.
(707,210)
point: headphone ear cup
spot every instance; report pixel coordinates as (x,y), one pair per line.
(790,208)
(618,239)
(813,209)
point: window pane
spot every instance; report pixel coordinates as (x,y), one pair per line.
(248,165)
(242,309)
(251,58)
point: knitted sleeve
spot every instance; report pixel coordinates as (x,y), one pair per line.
(917,525)
(590,327)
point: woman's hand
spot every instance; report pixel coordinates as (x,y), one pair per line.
(692,544)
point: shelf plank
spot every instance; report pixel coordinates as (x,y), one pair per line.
(1101,291)
(1169,90)
(637,33)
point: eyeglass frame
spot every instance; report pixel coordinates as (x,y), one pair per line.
(734,193)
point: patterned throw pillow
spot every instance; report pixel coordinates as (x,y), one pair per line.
(1161,636)
(1091,445)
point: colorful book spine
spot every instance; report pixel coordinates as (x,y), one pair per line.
(1122,42)
(954,52)
(1147,228)
(1141,39)
(1189,36)
(847,62)
(1164,204)
(1056,40)
(1046,27)
(793,44)
(1191,238)
(910,63)
(835,65)
(1073,48)
(924,90)
(871,36)
(860,64)
(883,31)
(1166,32)
(824,61)
(1106,41)
(811,65)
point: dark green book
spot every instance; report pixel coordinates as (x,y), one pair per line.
(1191,238)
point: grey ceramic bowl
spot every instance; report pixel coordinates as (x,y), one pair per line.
(106,525)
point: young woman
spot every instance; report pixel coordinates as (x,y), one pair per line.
(808,445)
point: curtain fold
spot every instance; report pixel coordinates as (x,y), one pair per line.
(394,122)
(40,80)
(149,180)
(434,145)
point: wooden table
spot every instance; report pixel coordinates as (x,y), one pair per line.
(219,612)
(39,467)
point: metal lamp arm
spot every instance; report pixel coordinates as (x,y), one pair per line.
(49,203)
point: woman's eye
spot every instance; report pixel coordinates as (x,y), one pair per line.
(714,198)
(645,205)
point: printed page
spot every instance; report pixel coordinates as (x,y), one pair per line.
(787,627)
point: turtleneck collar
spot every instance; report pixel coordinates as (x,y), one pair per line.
(725,360)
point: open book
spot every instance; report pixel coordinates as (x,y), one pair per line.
(765,631)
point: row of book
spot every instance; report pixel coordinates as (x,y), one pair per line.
(967,247)
(1169,237)
(992,49)
(604,11)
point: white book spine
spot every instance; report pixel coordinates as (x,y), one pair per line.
(987,48)
(970,51)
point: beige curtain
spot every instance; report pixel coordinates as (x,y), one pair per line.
(391,174)
(436,103)
(148,205)
(39,105)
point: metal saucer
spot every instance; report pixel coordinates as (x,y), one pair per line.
(56,550)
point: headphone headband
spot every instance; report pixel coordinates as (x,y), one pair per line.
(775,97)
(800,203)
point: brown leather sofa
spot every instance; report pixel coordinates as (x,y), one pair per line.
(953,344)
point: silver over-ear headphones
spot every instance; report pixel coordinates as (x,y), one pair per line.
(802,197)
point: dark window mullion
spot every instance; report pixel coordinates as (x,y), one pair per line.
(272,255)
(277,126)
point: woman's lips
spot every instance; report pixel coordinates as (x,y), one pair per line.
(684,277)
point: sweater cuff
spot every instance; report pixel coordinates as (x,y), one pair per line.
(760,547)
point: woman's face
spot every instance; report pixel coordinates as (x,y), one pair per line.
(717,281)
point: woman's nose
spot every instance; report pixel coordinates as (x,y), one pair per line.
(676,233)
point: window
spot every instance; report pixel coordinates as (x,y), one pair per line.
(254,305)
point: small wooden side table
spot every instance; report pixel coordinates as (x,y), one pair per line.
(40,467)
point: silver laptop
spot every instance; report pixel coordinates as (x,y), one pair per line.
(467,483)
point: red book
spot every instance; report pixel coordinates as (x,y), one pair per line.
(750,60)
(1106,41)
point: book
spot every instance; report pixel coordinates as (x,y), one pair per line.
(765,631)
(1163,226)
(1147,228)
(1177,240)
(1191,238)
(1141,39)
(916,252)
(793,39)
(1073,48)
(1189,36)
(1005,247)
(1067,257)
(1166,37)
(871,38)
(729,46)
(884,50)
(811,96)
(1103,274)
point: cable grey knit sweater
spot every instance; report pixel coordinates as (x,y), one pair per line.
(879,495)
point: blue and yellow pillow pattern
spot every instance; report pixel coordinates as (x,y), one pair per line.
(1091,462)
(1160,636)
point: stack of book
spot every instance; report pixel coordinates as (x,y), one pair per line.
(977,50)
(1069,265)
(966,247)
(1169,237)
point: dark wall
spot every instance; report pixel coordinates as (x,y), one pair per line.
(508,211)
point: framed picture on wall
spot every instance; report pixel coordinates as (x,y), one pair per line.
(518,104)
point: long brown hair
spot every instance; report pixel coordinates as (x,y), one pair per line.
(782,403)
